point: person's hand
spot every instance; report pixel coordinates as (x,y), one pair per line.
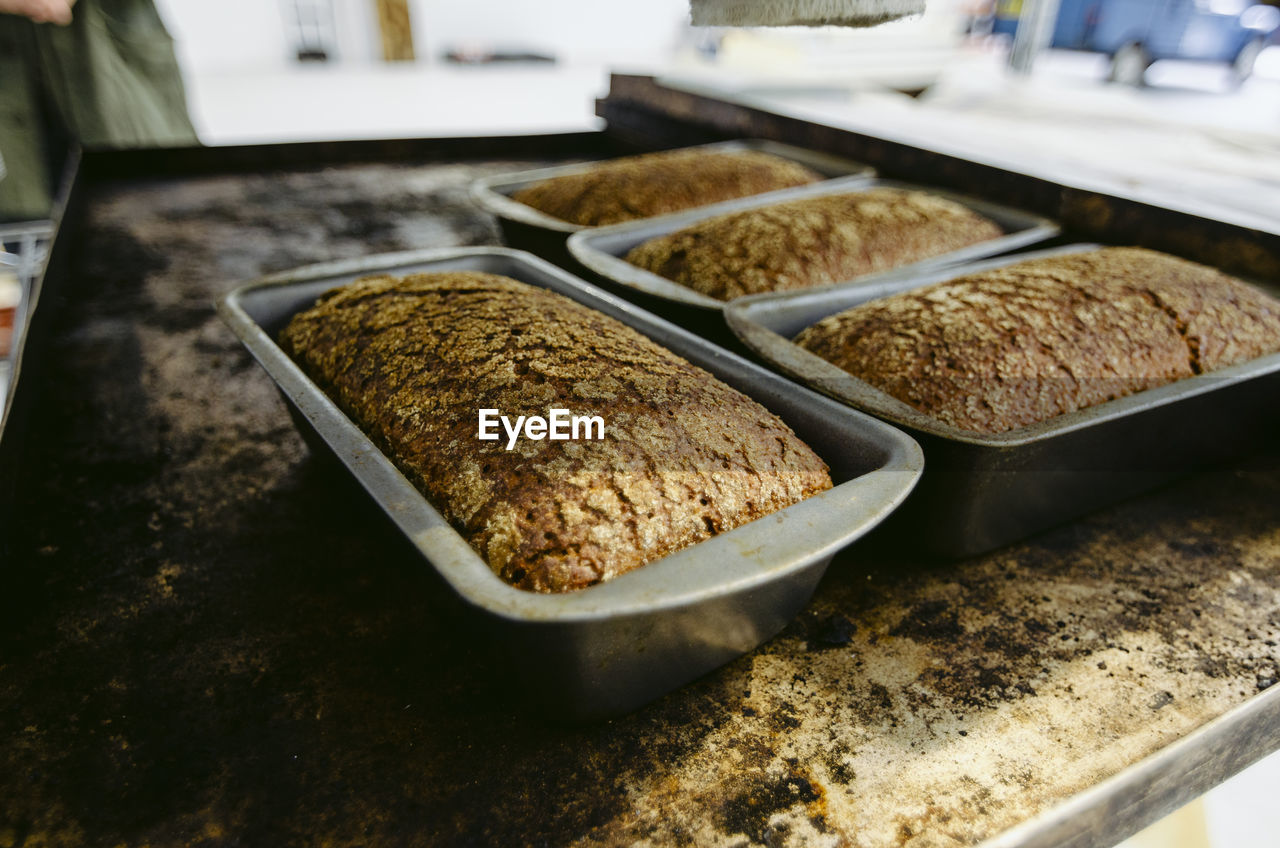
(40,11)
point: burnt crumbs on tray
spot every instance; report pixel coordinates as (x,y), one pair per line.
(657,183)
(1005,348)
(417,362)
(812,241)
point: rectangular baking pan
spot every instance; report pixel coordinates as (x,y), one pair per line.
(610,648)
(982,491)
(526,228)
(601,250)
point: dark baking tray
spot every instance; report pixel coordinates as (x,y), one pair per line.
(526,228)
(610,648)
(982,491)
(601,249)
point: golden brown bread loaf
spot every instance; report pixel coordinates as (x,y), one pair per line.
(1002,349)
(813,241)
(657,183)
(683,457)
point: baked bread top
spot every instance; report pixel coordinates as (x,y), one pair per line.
(684,456)
(812,241)
(1002,349)
(657,183)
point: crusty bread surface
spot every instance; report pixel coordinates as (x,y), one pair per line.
(1002,349)
(811,241)
(657,183)
(412,360)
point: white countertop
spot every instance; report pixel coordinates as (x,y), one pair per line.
(1188,143)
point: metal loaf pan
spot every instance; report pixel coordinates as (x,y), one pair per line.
(982,491)
(601,250)
(612,647)
(526,228)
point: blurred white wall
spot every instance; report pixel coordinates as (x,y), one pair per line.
(227,35)
(235,35)
(608,31)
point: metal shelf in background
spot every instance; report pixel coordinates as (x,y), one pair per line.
(27,247)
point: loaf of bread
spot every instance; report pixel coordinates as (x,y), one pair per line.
(1002,349)
(657,183)
(413,360)
(813,241)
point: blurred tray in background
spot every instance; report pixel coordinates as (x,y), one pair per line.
(601,249)
(526,228)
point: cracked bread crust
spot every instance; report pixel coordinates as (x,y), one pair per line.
(413,359)
(814,241)
(1006,348)
(657,183)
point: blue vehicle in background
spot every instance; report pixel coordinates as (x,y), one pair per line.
(1135,33)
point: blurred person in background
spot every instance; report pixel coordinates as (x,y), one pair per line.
(101,71)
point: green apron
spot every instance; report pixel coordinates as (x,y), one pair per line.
(110,79)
